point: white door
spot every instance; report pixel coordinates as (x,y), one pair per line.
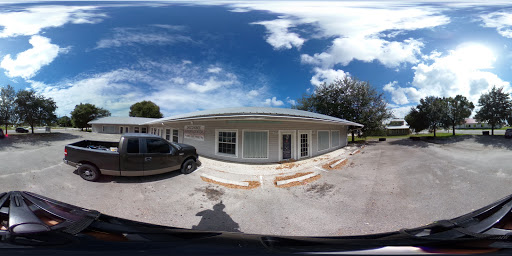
(304,144)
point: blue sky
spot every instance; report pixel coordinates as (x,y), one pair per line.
(188,56)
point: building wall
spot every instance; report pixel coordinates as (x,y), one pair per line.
(275,129)
(115,128)
(478,125)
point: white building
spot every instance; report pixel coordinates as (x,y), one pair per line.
(470,123)
(252,134)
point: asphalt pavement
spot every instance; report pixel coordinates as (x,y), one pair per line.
(387,186)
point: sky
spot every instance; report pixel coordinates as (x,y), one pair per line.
(195,55)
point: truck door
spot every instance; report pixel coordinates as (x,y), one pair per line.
(132,158)
(159,157)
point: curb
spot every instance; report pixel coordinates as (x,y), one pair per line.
(338,162)
(301,178)
(355,152)
(238,183)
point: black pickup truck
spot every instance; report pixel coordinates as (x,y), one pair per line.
(135,154)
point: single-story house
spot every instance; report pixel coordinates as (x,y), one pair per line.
(470,123)
(397,126)
(255,134)
(119,125)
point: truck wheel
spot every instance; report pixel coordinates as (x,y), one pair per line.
(89,172)
(189,166)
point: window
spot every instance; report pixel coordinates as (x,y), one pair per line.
(226,142)
(304,145)
(132,146)
(144,130)
(120,129)
(136,129)
(335,138)
(255,144)
(175,135)
(168,134)
(157,146)
(323,140)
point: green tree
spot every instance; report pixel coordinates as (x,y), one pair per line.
(350,99)
(35,109)
(7,106)
(495,107)
(417,120)
(145,109)
(64,121)
(431,113)
(459,108)
(84,113)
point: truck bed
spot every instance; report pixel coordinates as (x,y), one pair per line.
(97,152)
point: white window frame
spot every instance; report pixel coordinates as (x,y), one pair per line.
(318,141)
(172,134)
(339,138)
(217,142)
(121,128)
(310,143)
(136,128)
(268,142)
(280,145)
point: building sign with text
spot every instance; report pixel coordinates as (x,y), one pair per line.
(194,132)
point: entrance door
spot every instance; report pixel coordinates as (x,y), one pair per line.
(287,146)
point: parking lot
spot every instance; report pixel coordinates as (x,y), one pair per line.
(388,185)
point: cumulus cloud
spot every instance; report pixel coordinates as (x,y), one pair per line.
(279,35)
(273,102)
(502,21)
(175,87)
(27,63)
(145,36)
(327,76)
(463,71)
(290,101)
(363,32)
(33,20)
(215,70)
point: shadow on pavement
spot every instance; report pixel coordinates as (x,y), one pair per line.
(216,220)
(138,179)
(36,139)
(494,141)
(410,143)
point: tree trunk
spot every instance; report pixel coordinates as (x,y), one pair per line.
(5,127)
(434,132)
(353,139)
(453,126)
(492,129)
(32,126)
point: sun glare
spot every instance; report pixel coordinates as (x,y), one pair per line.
(475,56)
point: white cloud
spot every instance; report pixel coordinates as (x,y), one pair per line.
(345,50)
(211,84)
(327,76)
(27,63)
(279,36)
(290,101)
(215,70)
(145,36)
(33,20)
(401,95)
(461,71)
(273,102)
(166,84)
(400,112)
(361,30)
(502,21)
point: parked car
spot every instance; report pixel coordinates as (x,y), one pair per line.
(21,130)
(2,135)
(135,154)
(508,133)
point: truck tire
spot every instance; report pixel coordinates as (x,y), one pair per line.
(189,166)
(89,172)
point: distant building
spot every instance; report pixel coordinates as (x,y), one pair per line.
(470,123)
(397,126)
(120,125)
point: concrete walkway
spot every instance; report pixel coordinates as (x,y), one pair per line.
(266,174)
